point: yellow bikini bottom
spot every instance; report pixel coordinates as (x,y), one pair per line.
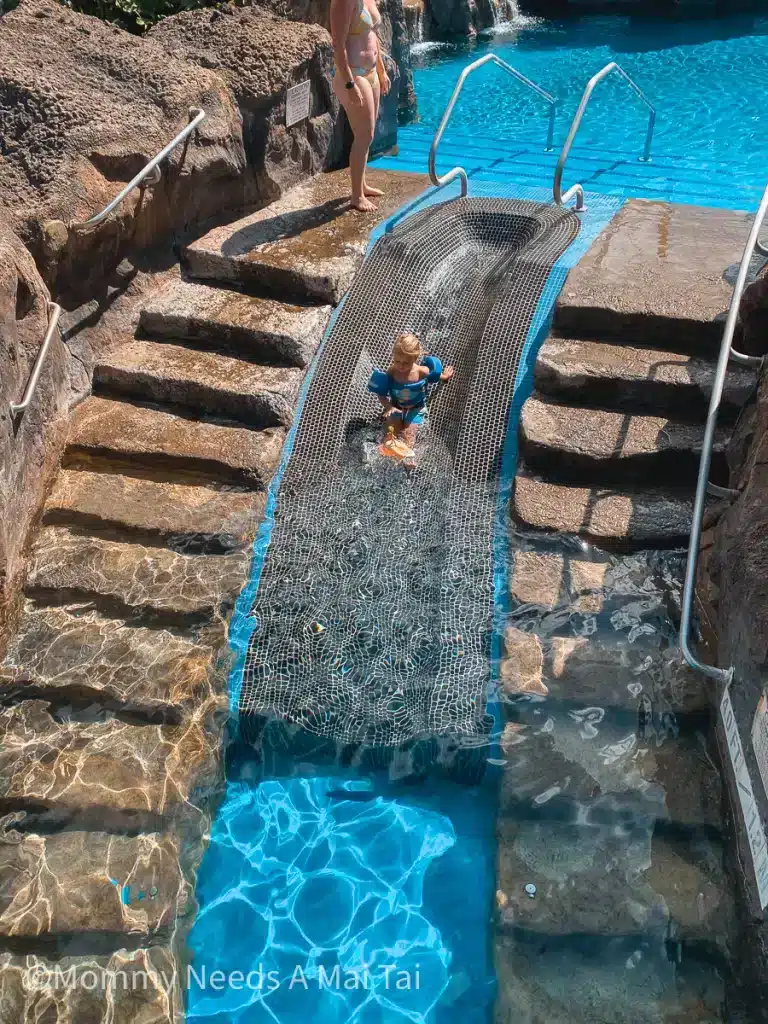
(369,74)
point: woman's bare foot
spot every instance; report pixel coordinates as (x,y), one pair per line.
(363,205)
(369,190)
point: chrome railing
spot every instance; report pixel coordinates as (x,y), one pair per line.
(577,190)
(150,174)
(489,58)
(54,312)
(702,486)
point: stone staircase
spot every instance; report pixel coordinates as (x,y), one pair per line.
(113,692)
(611,802)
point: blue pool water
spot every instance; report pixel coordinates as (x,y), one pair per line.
(708,80)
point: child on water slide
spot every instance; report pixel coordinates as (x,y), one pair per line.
(402,392)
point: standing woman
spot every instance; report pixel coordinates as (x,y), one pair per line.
(360,80)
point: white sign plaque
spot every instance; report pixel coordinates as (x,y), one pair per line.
(760,739)
(755,833)
(297,103)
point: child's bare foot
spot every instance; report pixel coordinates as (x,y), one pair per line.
(369,190)
(363,205)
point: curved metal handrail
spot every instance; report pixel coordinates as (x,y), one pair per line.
(489,58)
(726,352)
(577,190)
(151,172)
(54,312)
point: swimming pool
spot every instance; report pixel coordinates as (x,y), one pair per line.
(707,79)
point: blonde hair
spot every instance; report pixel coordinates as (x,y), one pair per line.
(408,345)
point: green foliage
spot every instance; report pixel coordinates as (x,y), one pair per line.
(135,15)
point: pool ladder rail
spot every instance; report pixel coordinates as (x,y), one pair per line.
(490,58)
(575,191)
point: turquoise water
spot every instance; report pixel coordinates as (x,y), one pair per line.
(706,78)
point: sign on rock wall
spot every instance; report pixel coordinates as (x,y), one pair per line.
(297,103)
(755,833)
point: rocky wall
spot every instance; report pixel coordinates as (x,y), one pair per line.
(30,443)
(732,606)
(83,113)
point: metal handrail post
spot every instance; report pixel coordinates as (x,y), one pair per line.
(151,171)
(577,190)
(458,172)
(721,674)
(54,312)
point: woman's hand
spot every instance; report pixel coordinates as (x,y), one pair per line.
(384,83)
(447,373)
(355,96)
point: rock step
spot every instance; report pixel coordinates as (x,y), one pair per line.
(111,775)
(144,436)
(636,379)
(133,985)
(73,884)
(185,517)
(611,518)
(77,657)
(582,445)
(260,396)
(179,589)
(649,279)
(306,245)
(255,328)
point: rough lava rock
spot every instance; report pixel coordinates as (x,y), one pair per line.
(30,444)
(754,315)
(733,590)
(80,115)
(260,56)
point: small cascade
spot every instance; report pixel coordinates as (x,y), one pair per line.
(414,20)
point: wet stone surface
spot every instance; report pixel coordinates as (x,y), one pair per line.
(253,327)
(105,770)
(188,517)
(609,516)
(308,244)
(153,437)
(611,803)
(128,987)
(79,656)
(260,396)
(73,883)
(177,587)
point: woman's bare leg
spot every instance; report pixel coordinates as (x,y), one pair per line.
(362,121)
(369,190)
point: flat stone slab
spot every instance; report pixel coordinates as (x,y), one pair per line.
(255,327)
(626,377)
(73,883)
(87,658)
(207,382)
(306,245)
(194,588)
(655,275)
(608,517)
(111,772)
(185,516)
(582,445)
(104,428)
(130,989)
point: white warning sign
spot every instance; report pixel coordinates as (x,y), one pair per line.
(755,833)
(297,103)
(760,739)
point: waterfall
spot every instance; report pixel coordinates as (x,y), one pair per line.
(419,24)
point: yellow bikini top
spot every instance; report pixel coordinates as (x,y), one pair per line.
(364,21)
